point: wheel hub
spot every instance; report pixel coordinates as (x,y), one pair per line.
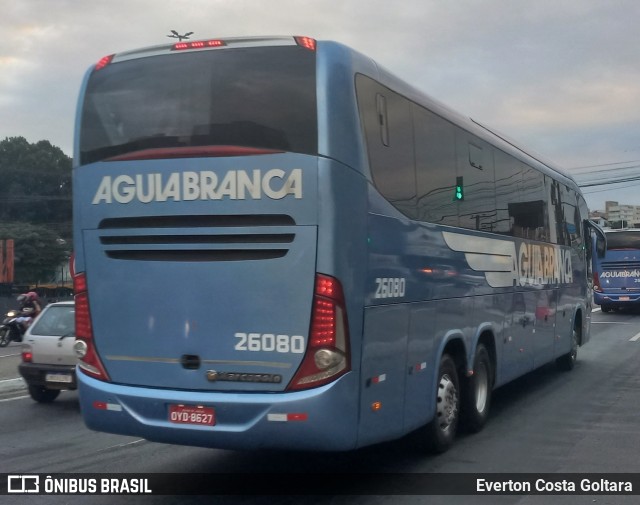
(447,408)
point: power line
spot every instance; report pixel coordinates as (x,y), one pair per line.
(604,164)
(611,181)
(606,189)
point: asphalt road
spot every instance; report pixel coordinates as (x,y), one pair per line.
(586,420)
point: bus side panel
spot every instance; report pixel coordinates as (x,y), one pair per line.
(424,329)
(544,326)
(383,373)
(433,325)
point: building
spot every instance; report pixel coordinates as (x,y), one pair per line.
(627,215)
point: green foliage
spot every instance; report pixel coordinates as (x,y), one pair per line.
(36,184)
(35,206)
(38,251)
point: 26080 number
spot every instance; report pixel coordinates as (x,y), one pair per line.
(269,342)
(390,287)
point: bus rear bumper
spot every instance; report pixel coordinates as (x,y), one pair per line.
(616,300)
(323,418)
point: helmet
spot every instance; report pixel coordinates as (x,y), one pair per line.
(32,296)
(22,298)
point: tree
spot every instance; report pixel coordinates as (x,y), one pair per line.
(36,184)
(35,206)
(38,251)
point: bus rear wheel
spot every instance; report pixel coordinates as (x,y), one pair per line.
(476,398)
(440,433)
(568,361)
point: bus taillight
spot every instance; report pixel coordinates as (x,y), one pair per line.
(327,356)
(84,347)
(596,282)
(104,62)
(198,44)
(306,42)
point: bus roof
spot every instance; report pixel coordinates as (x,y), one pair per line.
(362,64)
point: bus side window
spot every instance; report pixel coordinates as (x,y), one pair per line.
(508,179)
(435,149)
(477,210)
(388,126)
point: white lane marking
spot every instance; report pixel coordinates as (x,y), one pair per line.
(121,445)
(9,382)
(610,322)
(635,338)
(597,309)
(14,399)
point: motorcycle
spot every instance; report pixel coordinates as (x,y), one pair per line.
(11,329)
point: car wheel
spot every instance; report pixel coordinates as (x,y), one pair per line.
(477,392)
(4,337)
(43,395)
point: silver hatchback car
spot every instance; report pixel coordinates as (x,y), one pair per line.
(48,359)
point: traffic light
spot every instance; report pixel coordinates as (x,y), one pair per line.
(459,194)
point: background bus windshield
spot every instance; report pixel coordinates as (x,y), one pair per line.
(259,97)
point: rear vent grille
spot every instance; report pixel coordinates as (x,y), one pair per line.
(197,238)
(620,265)
(197,221)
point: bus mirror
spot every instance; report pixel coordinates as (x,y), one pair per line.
(601,247)
(600,236)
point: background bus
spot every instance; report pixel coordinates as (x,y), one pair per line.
(348,260)
(617,270)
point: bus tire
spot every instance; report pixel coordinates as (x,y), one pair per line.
(567,361)
(476,398)
(440,433)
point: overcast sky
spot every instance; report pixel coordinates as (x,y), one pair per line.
(559,76)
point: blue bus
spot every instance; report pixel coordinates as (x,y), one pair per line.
(616,270)
(279,244)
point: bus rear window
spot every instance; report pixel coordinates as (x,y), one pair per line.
(623,240)
(259,97)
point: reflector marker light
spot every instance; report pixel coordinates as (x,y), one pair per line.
(282,418)
(198,44)
(420,366)
(107,406)
(377,379)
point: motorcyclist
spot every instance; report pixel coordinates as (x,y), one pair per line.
(29,308)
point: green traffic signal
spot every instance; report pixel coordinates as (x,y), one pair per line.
(459,194)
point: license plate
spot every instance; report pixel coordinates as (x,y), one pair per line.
(624,298)
(191,414)
(59,377)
